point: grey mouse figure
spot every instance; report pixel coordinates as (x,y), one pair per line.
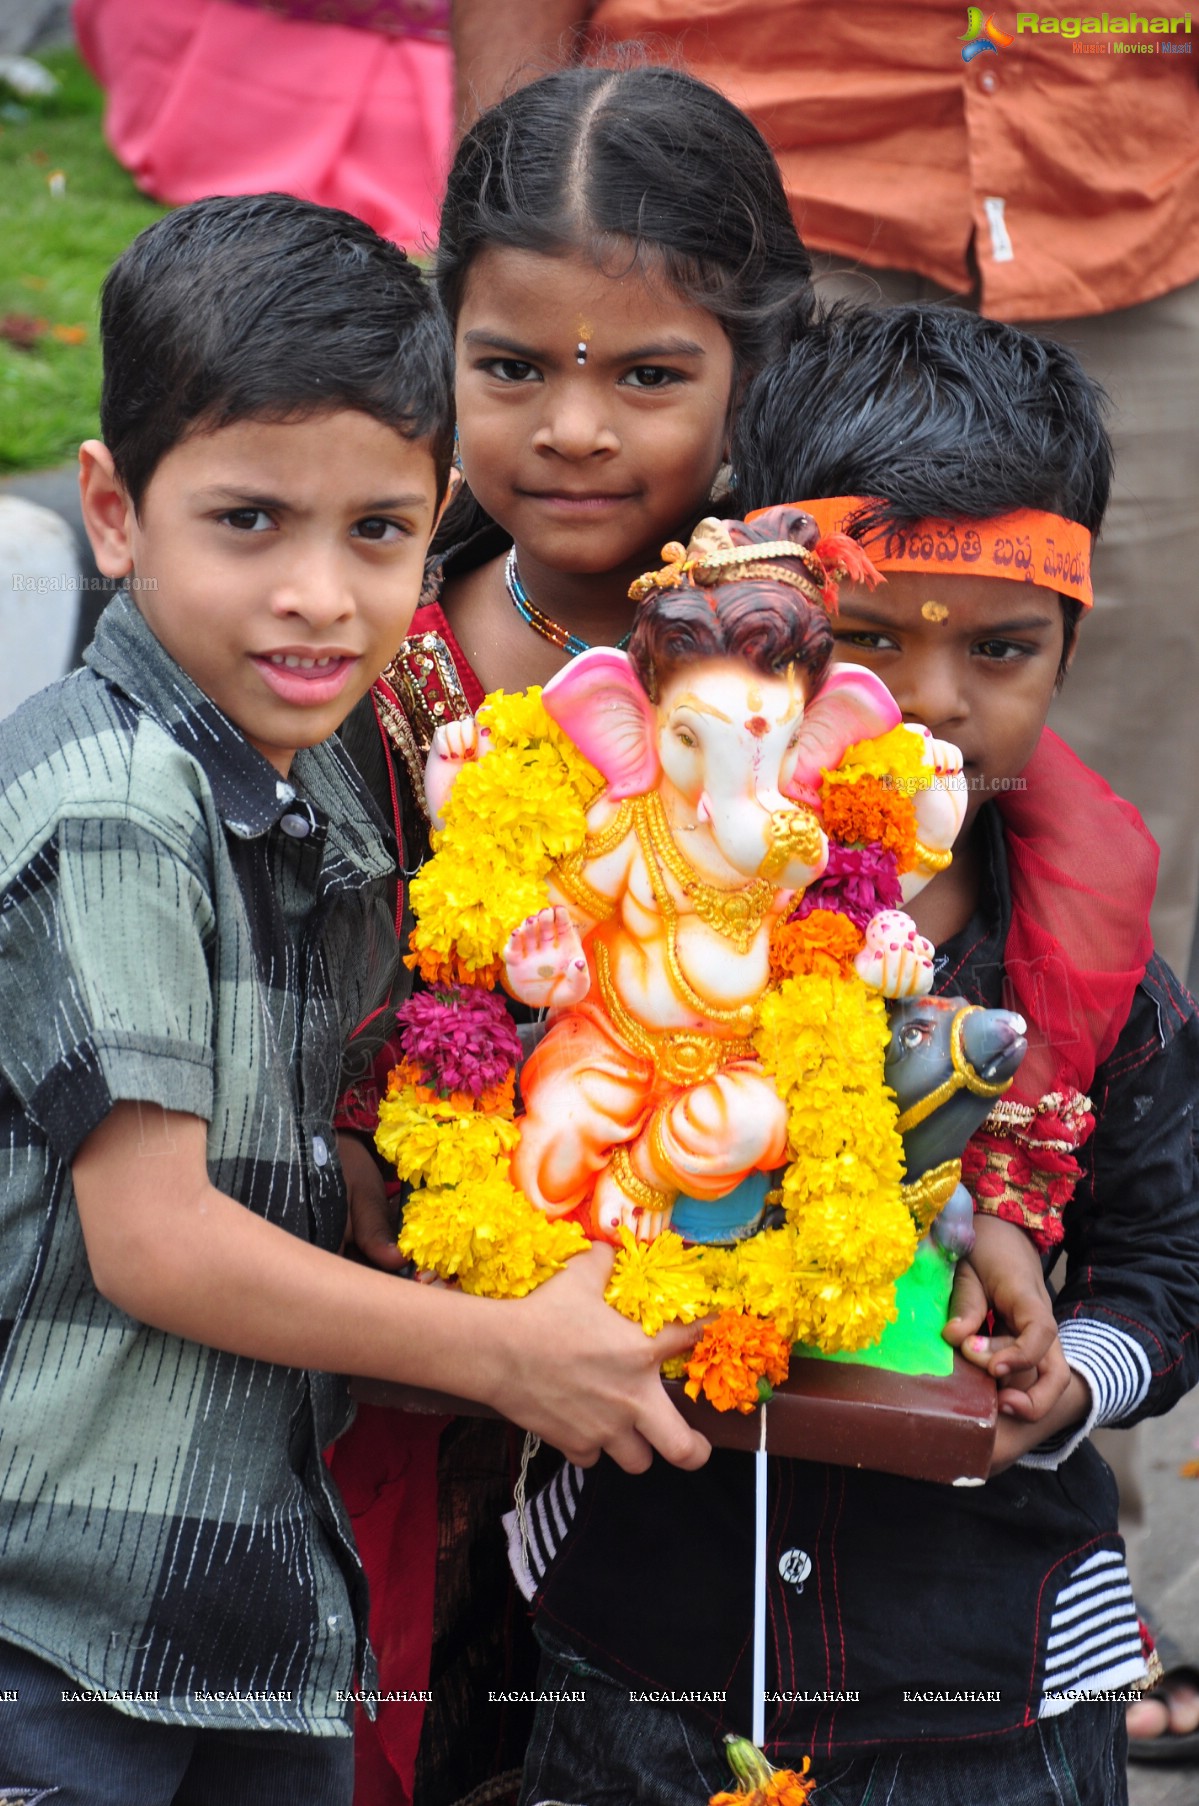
(947,1062)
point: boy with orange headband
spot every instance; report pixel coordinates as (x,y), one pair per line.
(931,1644)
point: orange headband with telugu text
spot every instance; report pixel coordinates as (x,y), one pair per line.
(1026,546)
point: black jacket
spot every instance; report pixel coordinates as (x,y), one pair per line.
(1006,1598)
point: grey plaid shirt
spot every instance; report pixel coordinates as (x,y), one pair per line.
(177,925)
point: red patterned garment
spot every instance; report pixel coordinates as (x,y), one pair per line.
(426,1494)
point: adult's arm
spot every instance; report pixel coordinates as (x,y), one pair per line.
(500,44)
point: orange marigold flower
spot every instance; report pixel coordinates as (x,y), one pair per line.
(408,1074)
(870,811)
(497,1100)
(786,1787)
(822,941)
(451,970)
(733,1354)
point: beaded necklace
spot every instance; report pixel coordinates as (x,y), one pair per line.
(550,630)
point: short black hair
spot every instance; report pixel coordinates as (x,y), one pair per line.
(643,161)
(266,307)
(935,411)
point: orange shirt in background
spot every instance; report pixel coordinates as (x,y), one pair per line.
(1073,173)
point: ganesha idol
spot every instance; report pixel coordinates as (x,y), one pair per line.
(712,734)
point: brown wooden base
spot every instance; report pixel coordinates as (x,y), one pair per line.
(851,1416)
(854,1416)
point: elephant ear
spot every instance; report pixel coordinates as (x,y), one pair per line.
(852,704)
(598,700)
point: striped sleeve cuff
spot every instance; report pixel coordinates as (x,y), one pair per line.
(1117,1371)
(536,1530)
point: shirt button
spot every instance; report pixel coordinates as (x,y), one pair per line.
(332,1621)
(297,826)
(320,1150)
(988,81)
(795,1565)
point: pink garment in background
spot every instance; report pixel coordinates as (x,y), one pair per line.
(394,18)
(219,97)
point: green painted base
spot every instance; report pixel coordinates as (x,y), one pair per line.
(913,1343)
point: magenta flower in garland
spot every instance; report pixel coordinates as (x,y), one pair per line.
(857,882)
(462,1039)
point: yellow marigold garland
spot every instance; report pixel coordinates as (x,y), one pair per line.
(489,1237)
(511,815)
(824,1039)
(896,757)
(466,1220)
(826,1277)
(658,1282)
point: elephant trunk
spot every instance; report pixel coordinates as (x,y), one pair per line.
(746,827)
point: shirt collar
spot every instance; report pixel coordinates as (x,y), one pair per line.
(250,796)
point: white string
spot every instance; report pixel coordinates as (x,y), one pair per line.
(520,1498)
(759,1683)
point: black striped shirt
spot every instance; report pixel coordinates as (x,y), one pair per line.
(180,926)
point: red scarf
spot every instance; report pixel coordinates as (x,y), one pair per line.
(1083,868)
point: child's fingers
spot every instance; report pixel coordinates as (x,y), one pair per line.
(1025,1391)
(1036,1401)
(373,1233)
(978,1350)
(1014,1401)
(1035,1335)
(677,1339)
(633,1454)
(969,1306)
(371,1223)
(998,1355)
(994,1353)
(595,1264)
(644,1419)
(664,1430)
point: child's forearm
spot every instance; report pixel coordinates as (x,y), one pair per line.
(171,1250)
(210,1270)
(1015,1437)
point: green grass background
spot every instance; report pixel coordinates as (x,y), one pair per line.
(54,253)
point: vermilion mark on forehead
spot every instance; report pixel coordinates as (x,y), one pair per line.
(758,725)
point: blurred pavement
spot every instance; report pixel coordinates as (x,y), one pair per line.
(1168,1577)
(30,25)
(43,631)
